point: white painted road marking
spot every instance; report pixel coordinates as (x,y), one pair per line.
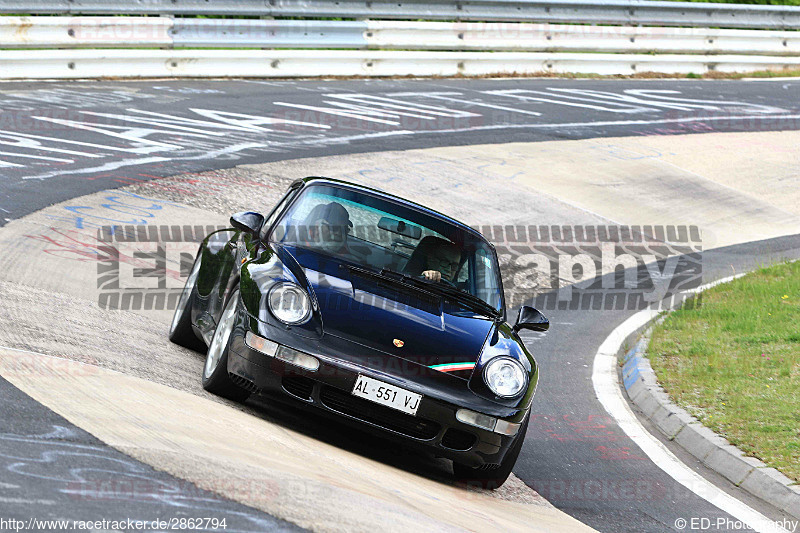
(448,98)
(25,500)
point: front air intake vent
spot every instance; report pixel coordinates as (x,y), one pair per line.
(244,383)
(459,440)
(299,386)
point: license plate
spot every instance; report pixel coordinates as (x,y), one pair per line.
(388,395)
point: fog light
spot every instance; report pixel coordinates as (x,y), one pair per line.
(265,346)
(476,419)
(293,357)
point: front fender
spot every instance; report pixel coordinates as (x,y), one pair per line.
(270,266)
(503,341)
(217,265)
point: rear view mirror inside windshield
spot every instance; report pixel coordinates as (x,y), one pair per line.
(400,227)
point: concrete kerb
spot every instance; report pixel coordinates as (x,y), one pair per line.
(751,474)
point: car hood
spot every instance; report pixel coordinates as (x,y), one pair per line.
(392,317)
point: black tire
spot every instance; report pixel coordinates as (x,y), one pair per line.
(180,331)
(215,376)
(492,478)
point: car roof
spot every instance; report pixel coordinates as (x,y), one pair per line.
(382,194)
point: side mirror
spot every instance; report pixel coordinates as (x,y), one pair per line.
(248,221)
(531,318)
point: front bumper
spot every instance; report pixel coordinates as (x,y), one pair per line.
(328,389)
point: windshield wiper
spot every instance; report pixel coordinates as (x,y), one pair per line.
(399,277)
(464,297)
(396,277)
(442,288)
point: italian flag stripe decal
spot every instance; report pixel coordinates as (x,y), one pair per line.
(452,367)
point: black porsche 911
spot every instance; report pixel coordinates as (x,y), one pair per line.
(373,309)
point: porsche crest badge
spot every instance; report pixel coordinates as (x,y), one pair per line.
(398,343)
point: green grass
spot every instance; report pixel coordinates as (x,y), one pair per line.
(734,363)
(793,73)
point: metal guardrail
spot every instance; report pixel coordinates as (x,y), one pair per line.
(623,12)
(575,38)
(166,32)
(73,64)
(270,33)
(85,32)
(172,45)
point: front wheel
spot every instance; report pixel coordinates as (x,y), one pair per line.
(493,477)
(215,371)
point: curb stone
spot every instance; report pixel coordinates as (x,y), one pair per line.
(714,451)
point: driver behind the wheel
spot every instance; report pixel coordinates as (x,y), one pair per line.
(327,226)
(441,262)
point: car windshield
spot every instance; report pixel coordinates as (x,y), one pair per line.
(385,235)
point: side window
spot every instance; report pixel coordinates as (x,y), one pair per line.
(273,216)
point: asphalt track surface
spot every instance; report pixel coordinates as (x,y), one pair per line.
(572,441)
(60,140)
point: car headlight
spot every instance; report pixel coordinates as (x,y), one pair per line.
(505,377)
(289,303)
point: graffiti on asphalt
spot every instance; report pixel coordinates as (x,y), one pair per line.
(60,132)
(86,473)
